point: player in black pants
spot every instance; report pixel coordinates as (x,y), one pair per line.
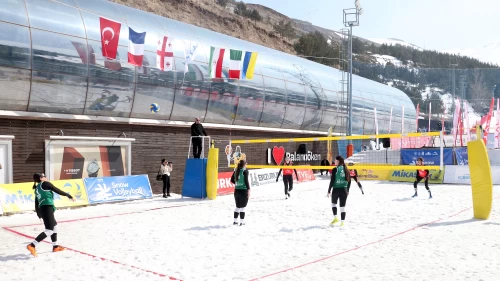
(45,208)
(287,177)
(354,176)
(338,188)
(241,191)
(422,174)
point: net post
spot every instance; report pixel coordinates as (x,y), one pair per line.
(189,146)
(441,149)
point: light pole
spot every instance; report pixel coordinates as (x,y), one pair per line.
(351,18)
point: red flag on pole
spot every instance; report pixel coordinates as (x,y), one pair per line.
(488,121)
(110,35)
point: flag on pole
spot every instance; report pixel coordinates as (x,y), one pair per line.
(235,65)
(418,113)
(497,128)
(466,117)
(488,121)
(135,47)
(249,65)
(455,121)
(376,126)
(403,121)
(216,59)
(165,54)
(390,121)
(430,115)
(110,35)
(190,49)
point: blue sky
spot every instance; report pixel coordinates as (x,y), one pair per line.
(430,24)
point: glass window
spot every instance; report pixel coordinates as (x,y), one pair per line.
(274,103)
(314,106)
(106,8)
(191,94)
(145,95)
(57,93)
(105,69)
(14,11)
(331,108)
(93,27)
(59,53)
(109,97)
(56,17)
(250,102)
(15,85)
(149,74)
(191,101)
(68,2)
(14,46)
(295,109)
(223,102)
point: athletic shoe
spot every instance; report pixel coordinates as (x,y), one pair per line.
(334,221)
(58,249)
(341,223)
(32,250)
(415,195)
(235,223)
(164,196)
(241,224)
(168,195)
(288,195)
(362,192)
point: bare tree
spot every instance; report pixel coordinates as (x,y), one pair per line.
(479,92)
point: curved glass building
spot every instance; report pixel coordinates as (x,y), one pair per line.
(51,62)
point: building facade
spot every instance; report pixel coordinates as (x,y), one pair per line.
(52,69)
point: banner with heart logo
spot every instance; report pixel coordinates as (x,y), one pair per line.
(278,154)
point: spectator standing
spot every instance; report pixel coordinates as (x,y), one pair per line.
(165,169)
(197,132)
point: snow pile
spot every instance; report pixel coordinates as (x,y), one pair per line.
(388,236)
(489,53)
(393,42)
(384,59)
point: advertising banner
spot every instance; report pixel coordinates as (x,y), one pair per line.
(461,156)
(305,175)
(225,184)
(461,174)
(410,142)
(110,189)
(430,155)
(367,174)
(76,162)
(409,175)
(20,197)
(3,164)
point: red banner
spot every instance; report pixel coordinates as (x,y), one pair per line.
(488,121)
(225,185)
(410,142)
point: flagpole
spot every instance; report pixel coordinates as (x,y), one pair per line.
(390,121)
(430,114)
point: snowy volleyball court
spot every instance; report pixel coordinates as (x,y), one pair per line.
(387,236)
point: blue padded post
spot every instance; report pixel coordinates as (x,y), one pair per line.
(195,178)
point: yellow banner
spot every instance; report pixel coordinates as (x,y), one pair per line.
(20,197)
(409,175)
(369,174)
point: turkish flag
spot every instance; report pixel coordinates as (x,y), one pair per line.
(110,35)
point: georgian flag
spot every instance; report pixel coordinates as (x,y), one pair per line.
(165,54)
(135,47)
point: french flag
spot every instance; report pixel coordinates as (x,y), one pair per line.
(135,47)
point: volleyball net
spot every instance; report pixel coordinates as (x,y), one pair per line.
(375,152)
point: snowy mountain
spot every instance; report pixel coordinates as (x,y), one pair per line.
(488,53)
(393,42)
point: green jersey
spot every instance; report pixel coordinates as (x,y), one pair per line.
(240,183)
(340,181)
(44,197)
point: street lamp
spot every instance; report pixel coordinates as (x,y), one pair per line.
(351,18)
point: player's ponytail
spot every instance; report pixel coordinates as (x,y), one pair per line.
(342,163)
(240,166)
(37,178)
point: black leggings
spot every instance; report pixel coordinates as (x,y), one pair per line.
(47,214)
(339,193)
(419,179)
(353,179)
(288,181)
(241,198)
(166,184)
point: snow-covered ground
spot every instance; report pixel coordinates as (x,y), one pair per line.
(388,236)
(393,41)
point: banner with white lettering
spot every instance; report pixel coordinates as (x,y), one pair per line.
(110,189)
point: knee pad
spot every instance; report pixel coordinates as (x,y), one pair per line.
(334,205)
(55,229)
(242,210)
(48,232)
(342,209)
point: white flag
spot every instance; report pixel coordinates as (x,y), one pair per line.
(190,49)
(165,54)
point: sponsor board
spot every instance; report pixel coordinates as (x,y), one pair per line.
(409,175)
(461,174)
(367,174)
(462,156)
(110,189)
(278,154)
(259,177)
(20,197)
(431,156)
